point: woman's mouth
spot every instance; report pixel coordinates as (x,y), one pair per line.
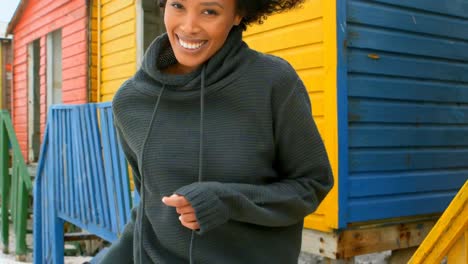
(191,45)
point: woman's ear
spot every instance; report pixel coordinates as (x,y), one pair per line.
(237,20)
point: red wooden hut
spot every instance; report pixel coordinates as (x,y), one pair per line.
(50,64)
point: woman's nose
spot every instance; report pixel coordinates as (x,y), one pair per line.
(190,24)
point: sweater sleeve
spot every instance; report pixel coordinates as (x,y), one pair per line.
(305,176)
(121,251)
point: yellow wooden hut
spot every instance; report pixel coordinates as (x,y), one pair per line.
(306,37)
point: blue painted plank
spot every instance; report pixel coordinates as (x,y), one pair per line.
(123,172)
(39,203)
(407,136)
(76,137)
(117,174)
(110,183)
(88,160)
(371,13)
(60,174)
(56,229)
(100,172)
(365,37)
(406,66)
(73,179)
(375,184)
(445,7)
(402,159)
(94,156)
(391,111)
(398,206)
(58,163)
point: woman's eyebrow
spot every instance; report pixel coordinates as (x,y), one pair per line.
(212,4)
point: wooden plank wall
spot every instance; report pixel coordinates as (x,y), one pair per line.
(118,46)
(306,37)
(39,18)
(407,95)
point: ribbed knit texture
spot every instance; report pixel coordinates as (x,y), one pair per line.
(264,164)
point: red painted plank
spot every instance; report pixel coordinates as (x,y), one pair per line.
(74,38)
(77,60)
(73,73)
(74,49)
(75,26)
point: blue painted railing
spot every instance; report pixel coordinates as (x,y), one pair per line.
(82,178)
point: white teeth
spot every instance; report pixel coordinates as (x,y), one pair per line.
(191,46)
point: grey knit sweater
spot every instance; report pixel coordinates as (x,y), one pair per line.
(237,139)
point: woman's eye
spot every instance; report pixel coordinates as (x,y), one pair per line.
(210,12)
(177,5)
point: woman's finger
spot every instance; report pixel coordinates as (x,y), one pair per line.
(175,201)
(188,218)
(185,209)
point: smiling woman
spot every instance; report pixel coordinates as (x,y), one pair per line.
(225,153)
(197,30)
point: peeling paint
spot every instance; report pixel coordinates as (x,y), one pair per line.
(373,56)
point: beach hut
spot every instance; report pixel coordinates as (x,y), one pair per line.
(50,64)
(388,81)
(121,32)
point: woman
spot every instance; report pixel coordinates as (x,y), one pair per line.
(226,156)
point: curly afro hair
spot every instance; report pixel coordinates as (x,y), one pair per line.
(256,11)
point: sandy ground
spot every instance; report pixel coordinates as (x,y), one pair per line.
(379,258)
(11,258)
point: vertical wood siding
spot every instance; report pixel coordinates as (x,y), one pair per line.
(94,52)
(39,18)
(306,38)
(118,45)
(407,102)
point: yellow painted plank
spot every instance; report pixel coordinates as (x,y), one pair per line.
(119,44)
(329,206)
(451,226)
(119,58)
(310,10)
(314,79)
(321,125)
(459,252)
(109,88)
(305,33)
(318,103)
(118,72)
(311,56)
(110,7)
(318,221)
(119,17)
(118,31)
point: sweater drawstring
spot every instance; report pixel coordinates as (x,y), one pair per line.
(200,155)
(142,188)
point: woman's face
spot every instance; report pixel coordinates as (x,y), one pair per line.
(197,29)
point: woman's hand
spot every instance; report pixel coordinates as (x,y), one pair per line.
(184,209)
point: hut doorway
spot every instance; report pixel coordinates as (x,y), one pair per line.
(33,101)
(150,25)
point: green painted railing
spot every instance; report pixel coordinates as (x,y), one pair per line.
(15,188)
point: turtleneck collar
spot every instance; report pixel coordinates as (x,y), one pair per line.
(224,66)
